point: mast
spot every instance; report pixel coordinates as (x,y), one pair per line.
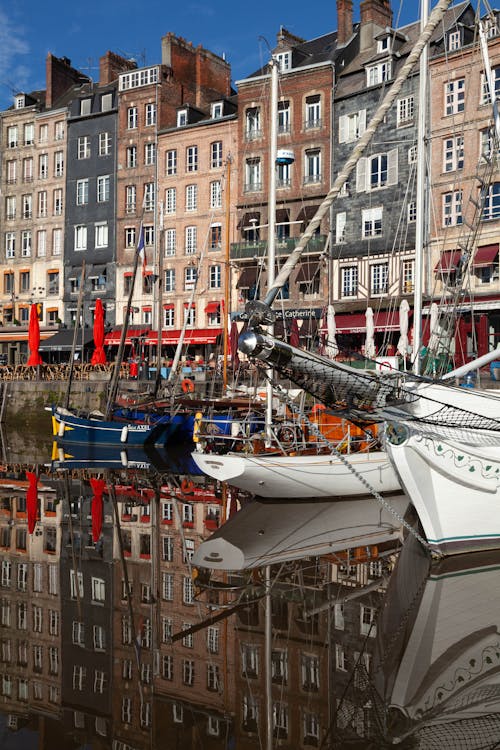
(75,334)
(259,312)
(227,291)
(420,197)
(271,221)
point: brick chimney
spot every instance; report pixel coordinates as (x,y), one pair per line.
(59,78)
(111,65)
(376,15)
(344,21)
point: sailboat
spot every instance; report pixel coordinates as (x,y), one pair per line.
(443,441)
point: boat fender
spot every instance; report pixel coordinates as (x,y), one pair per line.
(198,417)
(62,427)
(187,385)
(124,434)
(187,487)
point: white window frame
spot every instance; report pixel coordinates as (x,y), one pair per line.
(371,222)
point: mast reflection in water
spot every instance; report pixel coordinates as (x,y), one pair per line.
(120,643)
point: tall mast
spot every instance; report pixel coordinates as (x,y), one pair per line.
(227,291)
(271,221)
(420,196)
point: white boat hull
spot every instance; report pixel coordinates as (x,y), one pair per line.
(455,490)
(301,477)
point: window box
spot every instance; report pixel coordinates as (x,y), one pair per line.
(145,556)
(145,519)
(188,524)
(211,523)
(168,521)
(126,517)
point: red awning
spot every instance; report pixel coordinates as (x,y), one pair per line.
(448,261)
(113,337)
(186,304)
(485,256)
(147,308)
(356,322)
(212,307)
(171,338)
(169,306)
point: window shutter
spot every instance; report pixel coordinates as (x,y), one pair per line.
(392,167)
(342,128)
(362,122)
(361,175)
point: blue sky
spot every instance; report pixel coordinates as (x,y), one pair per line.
(83,31)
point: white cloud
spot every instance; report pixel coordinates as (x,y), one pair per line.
(13,73)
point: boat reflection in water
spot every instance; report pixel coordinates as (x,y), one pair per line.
(121,642)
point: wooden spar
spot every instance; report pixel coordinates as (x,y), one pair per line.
(257,312)
(227,291)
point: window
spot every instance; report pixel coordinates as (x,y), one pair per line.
(310,672)
(27,203)
(379,73)
(311,729)
(488,145)
(340,223)
(213,639)
(279,666)
(29,133)
(150,154)
(283,175)
(171,162)
(168,316)
(215,277)
(312,112)
(168,587)
(80,237)
(137,78)
(188,672)
(349,281)
(340,660)
(132,118)
(371,222)
(187,590)
(249,660)
(280,720)
(43,166)
(190,320)
(192,159)
(352,126)
(312,166)
(170,241)
(216,110)
(187,640)
(103,189)
(131,156)
(284,60)
(56,241)
(76,580)
(412,211)
(53,580)
(83,147)
(22,616)
(379,274)
(43,134)
(58,202)
(6,573)
(215,238)
(454,96)
(252,123)
(130,201)
(42,203)
(408,279)
(454,40)
(82,192)
(182,118)
(491,209)
(104,144)
(216,154)
(149,196)
(126,710)
(22,574)
(26,243)
(25,286)
(167,667)
(170,279)
(338,616)
(53,622)
(250,713)
(85,106)
(12,136)
(100,681)
(213,677)
(383,45)
(253,180)
(283,117)
(11,172)
(59,131)
(412,155)
(150,114)
(10,244)
(191,197)
(367,621)
(53,660)
(191,234)
(58,163)
(170,200)
(28,169)
(453,153)
(377,171)
(101,235)
(215,194)
(405,111)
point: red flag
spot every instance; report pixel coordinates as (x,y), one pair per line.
(34,337)
(32,500)
(98,357)
(98,486)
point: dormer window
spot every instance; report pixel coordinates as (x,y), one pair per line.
(379,73)
(20,101)
(383,45)
(182,118)
(284,60)
(217,110)
(454,40)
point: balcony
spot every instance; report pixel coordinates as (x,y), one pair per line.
(250,250)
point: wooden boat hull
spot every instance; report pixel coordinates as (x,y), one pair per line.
(302,477)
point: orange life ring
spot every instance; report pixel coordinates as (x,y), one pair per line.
(318,407)
(187,487)
(187,385)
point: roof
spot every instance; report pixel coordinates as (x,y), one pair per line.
(62,341)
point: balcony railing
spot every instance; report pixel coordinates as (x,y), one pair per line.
(242,250)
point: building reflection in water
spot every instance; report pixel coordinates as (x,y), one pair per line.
(122,643)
